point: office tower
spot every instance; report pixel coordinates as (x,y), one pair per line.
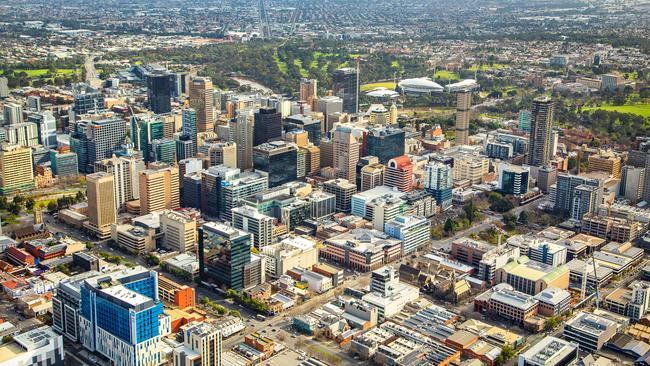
(413,231)
(122,318)
(99,141)
(46,124)
(539,145)
(241,130)
(13,114)
(525,120)
(586,199)
(610,82)
(392,119)
(546,177)
(159,91)
(606,161)
(64,164)
(345,86)
(101,203)
(184,147)
(34,103)
(164,150)
(201,345)
(268,126)
(125,172)
(463,107)
(220,152)
(87,99)
(346,153)
(326,152)
(179,231)
(159,189)
(190,128)
(513,179)
(399,173)
(312,159)
(144,130)
(439,181)
(201,94)
(224,187)
(372,176)
(278,160)
(308,89)
(16,169)
(329,106)
(34,346)
(343,190)
(223,253)
(310,125)
(385,143)
(191,190)
(565,191)
(258,225)
(188,166)
(4,87)
(632,180)
(23,134)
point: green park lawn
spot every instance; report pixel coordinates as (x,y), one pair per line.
(639,109)
(447,75)
(384,84)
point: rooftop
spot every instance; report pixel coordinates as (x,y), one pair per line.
(549,351)
(590,323)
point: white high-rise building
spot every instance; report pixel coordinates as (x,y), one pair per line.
(179,231)
(202,345)
(241,133)
(258,225)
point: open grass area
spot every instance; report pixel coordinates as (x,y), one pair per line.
(638,109)
(282,66)
(487,67)
(384,84)
(37,73)
(304,73)
(447,75)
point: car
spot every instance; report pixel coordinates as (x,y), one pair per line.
(293,336)
(273,330)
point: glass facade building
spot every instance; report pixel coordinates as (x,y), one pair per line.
(143,132)
(223,253)
(385,143)
(279,160)
(159,88)
(268,126)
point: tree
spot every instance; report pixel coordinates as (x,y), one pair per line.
(19,199)
(523,218)
(3,203)
(552,322)
(494,197)
(235,313)
(502,205)
(80,197)
(8,338)
(29,203)
(14,208)
(471,212)
(449,226)
(510,221)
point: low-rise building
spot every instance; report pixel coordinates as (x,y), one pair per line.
(362,249)
(532,277)
(176,294)
(550,351)
(553,301)
(590,331)
(504,301)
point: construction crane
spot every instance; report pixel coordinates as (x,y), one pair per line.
(583,289)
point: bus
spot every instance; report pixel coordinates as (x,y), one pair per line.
(260,317)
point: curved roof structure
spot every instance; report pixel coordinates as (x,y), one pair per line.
(467,84)
(420,86)
(382,92)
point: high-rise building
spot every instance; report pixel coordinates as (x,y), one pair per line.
(586,199)
(308,89)
(605,161)
(372,176)
(301,122)
(201,94)
(13,114)
(525,120)
(268,126)
(164,150)
(220,153)
(413,231)
(201,345)
(144,130)
(46,124)
(34,103)
(345,86)
(463,108)
(546,177)
(329,106)
(179,231)
(122,317)
(101,203)
(385,143)
(327,153)
(399,173)
(513,179)
(343,190)
(4,87)
(184,147)
(439,181)
(23,134)
(223,253)
(632,183)
(346,153)
(66,304)
(241,131)
(539,145)
(125,170)
(258,225)
(16,169)
(104,138)
(190,128)
(223,188)
(159,90)
(312,159)
(566,188)
(64,164)
(38,346)
(159,189)
(278,161)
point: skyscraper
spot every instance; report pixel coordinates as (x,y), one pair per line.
(101,203)
(305,123)
(202,342)
(159,90)
(439,180)
(258,225)
(223,253)
(125,171)
(4,87)
(104,138)
(385,143)
(46,124)
(190,128)
(159,189)
(13,114)
(241,130)
(220,152)
(268,126)
(308,89)
(346,153)
(399,173)
(278,160)
(344,84)
(201,94)
(87,99)
(180,231)
(539,145)
(16,170)
(144,130)
(463,105)
(164,150)
(328,106)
